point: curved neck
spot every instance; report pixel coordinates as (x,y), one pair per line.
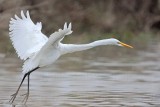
(69,48)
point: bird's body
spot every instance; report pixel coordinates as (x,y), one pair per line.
(37,50)
(47,56)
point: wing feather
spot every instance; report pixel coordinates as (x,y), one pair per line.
(56,37)
(53,41)
(26,36)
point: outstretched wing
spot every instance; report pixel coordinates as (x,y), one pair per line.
(55,38)
(48,48)
(26,36)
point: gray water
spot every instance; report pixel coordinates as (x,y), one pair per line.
(93,78)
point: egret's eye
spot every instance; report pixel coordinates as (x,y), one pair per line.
(118,43)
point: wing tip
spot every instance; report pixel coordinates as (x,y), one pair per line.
(27,13)
(65,26)
(70,26)
(22,15)
(16,17)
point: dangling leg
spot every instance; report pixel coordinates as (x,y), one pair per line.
(15,94)
(27,94)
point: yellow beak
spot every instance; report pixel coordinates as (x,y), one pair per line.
(123,44)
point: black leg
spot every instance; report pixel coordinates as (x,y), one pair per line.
(28,81)
(27,95)
(15,94)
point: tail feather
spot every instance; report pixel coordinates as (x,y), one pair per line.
(29,65)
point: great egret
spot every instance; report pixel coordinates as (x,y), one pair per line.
(37,50)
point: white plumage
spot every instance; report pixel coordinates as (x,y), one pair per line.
(26,36)
(37,50)
(28,40)
(48,53)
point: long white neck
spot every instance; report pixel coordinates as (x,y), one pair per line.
(69,48)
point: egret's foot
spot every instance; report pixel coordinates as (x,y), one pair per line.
(13,97)
(25,97)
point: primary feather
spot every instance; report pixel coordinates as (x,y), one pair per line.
(26,37)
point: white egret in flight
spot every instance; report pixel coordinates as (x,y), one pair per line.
(37,50)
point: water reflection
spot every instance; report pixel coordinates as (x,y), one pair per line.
(85,81)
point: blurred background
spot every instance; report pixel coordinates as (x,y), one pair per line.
(126,20)
(106,76)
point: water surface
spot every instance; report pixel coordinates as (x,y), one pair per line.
(88,79)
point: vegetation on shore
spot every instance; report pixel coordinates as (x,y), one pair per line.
(133,21)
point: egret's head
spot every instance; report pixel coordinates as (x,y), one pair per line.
(119,43)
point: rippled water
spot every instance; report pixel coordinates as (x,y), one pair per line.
(88,79)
